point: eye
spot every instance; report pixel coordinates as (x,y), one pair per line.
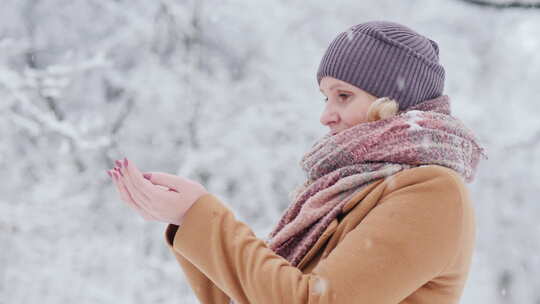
(344,95)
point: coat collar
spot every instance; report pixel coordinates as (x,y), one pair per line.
(332,227)
(359,195)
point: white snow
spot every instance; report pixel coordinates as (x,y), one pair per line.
(400,82)
(350,34)
(413,118)
(234,109)
(368,243)
(320,286)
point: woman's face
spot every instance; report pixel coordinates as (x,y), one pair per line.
(346,105)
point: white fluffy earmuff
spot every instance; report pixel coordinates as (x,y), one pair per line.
(382,108)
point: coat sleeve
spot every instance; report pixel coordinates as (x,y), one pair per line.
(205,290)
(402,243)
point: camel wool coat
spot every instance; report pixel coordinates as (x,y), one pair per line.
(407,238)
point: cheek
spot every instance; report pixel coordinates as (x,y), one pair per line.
(355,114)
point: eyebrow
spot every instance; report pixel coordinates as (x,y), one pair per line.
(331,87)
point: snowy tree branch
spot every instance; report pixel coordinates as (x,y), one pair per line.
(503,5)
(527,144)
(124,113)
(14,84)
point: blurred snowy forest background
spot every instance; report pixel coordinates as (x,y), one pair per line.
(224,92)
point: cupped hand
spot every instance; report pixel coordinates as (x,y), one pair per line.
(156,196)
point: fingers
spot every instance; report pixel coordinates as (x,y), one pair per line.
(140,197)
(137,179)
(126,196)
(141,186)
(148,176)
(164,179)
(159,198)
(129,199)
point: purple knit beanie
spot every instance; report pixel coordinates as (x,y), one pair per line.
(386,59)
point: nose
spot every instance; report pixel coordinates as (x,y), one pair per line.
(329,116)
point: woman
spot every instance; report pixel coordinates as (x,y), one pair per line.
(384,215)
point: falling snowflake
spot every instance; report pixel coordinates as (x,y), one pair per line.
(391,181)
(426,141)
(368,242)
(413,119)
(350,34)
(320,286)
(400,81)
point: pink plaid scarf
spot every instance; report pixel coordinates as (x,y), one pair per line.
(339,166)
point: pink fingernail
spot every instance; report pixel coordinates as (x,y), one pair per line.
(118,163)
(119,171)
(125,162)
